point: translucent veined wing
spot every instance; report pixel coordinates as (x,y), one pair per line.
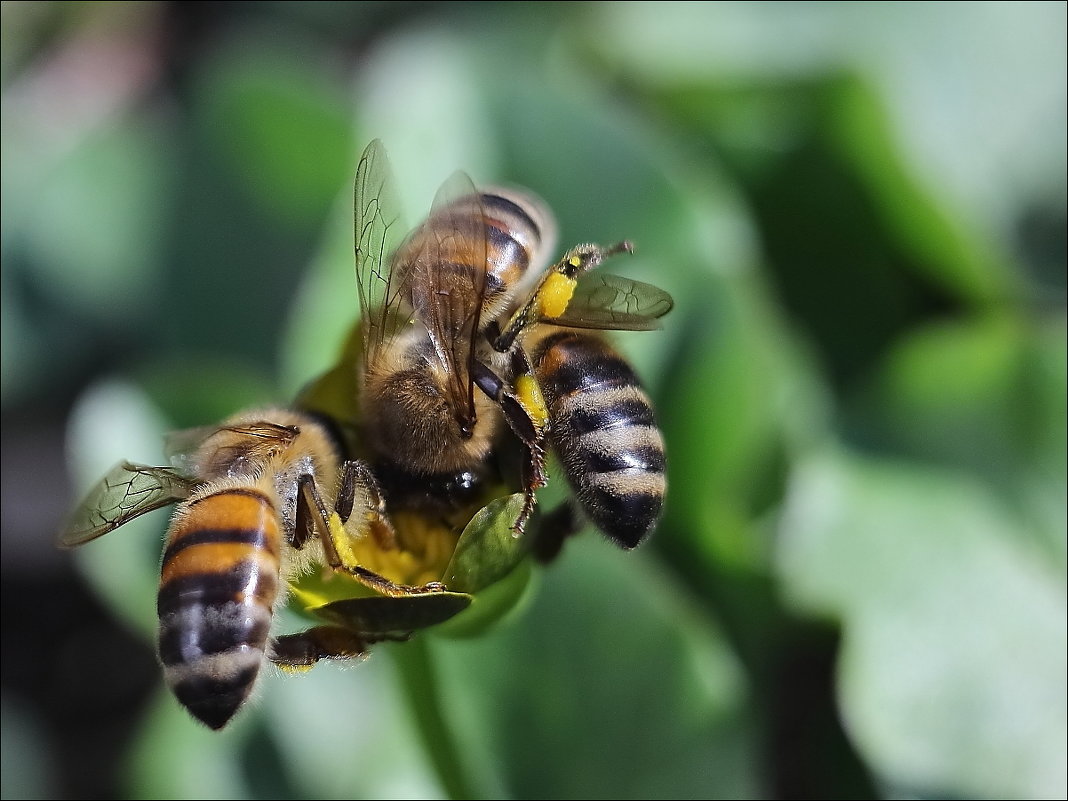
(263,432)
(607,301)
(232,448)
(378,228)
(127,491)
(445,274)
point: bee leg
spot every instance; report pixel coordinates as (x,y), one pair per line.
(355,476)
(530,398)
(301,651)
(554,529)
(534,477)
(525,411)
(553,294)
(304,526)
(296,652)
(339,556)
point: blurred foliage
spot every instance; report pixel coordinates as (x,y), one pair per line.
(859,586)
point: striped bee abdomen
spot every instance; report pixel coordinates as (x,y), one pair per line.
(219,582)
(485,246)
(514,237)
(602,427)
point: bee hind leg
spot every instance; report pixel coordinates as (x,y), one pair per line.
(525,411)
(301,651)
(296,652)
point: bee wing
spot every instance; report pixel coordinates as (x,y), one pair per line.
(607,301)
(239,443)
(448,283)
(179,446)
(378,227)
(127,491)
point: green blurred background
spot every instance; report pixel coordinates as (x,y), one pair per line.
(859,587)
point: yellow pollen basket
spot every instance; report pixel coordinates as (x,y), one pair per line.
(555,294)
(528,393)
(342,541)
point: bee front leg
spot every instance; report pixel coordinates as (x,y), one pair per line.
(357,479)
(330,528)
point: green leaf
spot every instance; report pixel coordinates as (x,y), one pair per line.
(94,219)
(114,420)
(322,339)
(488,549)
(379,615)
(29,768)
(492,605)
(284,128)
(612,684)
(170,741)
(857,246)
(206,389)
(985,395)
(344,731)
(951,676)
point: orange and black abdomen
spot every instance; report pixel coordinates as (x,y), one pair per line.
(219,580)
(513,238)
(602,426)
(487,245)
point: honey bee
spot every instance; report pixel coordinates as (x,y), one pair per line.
(463,357)
(464,353)
(261,499)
